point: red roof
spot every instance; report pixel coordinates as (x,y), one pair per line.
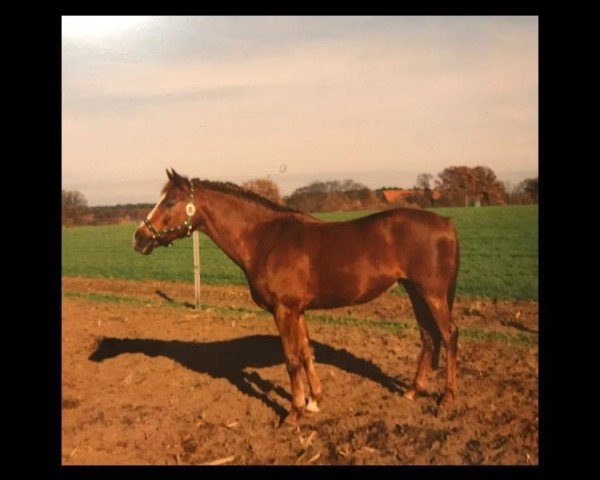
(392,196)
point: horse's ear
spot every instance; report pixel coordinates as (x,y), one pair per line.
(169,174)
(177,179)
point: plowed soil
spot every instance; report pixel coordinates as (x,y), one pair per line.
(144,382)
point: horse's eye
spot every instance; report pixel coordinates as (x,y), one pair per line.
(169,203)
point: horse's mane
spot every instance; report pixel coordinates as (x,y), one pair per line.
(236,190)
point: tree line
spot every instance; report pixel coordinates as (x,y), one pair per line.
(453,186)
(81,214)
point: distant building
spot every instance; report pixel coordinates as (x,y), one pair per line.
(402,194)
(393,196)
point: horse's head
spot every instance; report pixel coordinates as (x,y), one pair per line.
(170,219)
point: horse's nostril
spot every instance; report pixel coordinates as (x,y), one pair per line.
(138,237)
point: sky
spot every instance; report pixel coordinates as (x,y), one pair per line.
(297,99)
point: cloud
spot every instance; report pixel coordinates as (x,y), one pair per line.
(368,95)
(116,102)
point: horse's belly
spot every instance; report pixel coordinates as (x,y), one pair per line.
(351,291)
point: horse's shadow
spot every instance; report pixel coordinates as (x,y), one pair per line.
(229,359)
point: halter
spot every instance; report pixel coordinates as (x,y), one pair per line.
(190,209)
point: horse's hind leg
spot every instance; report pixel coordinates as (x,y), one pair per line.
(440,310)
(288,323)
(306,356)
(430,338)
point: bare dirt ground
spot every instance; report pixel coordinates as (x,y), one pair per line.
(144,383)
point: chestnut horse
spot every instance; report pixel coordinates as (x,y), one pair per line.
(294,263)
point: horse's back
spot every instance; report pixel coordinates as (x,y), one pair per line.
(330,264)
(387,228)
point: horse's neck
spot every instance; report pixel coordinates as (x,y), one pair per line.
(229,221)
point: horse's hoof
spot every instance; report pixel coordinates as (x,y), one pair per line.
(447,400)
(288,422)
(291,420)
(410,394)
(311,406)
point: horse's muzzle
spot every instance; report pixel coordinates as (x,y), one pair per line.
(142,242)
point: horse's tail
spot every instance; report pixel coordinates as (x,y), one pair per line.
(452,285)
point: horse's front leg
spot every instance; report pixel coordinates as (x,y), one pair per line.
(288,323)
(306,356)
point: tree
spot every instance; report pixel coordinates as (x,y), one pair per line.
(463,185)
(455,185)
(330,186)
(73,198)
(264,187)
(508,190)
(531,187)
(307,201)
(74,208)
(423,194)
(490,189)
(365,199)
(424,181)
(331,196)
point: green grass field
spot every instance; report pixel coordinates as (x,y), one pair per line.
(499,253)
